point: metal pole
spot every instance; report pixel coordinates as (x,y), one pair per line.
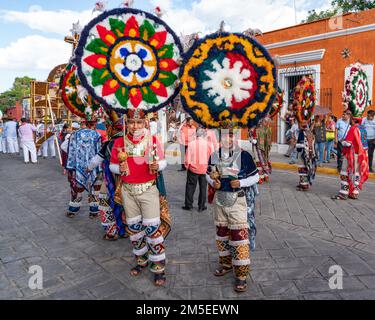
(295,11)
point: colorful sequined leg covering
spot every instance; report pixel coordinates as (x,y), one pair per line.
(344,184)
(94,197)
(107,217)
(303,179)
(355,193)
(138,240)
(155,243)
(222,243)
(261,172)
(240,250)
(76,192)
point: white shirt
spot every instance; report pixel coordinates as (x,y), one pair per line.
(11,129)
(153,128)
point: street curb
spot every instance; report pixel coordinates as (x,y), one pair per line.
(286,166)
(293,167)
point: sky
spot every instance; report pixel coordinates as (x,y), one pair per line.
(32,31)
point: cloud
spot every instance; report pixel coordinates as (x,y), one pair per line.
(59,22)
(34,52)
(205,15)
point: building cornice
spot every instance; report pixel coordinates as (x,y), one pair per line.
(300,57)
(322,36)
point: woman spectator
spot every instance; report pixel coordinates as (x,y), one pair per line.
(330,135)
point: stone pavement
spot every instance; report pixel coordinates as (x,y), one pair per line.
(300,235)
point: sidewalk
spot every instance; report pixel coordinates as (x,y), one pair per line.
(279,161)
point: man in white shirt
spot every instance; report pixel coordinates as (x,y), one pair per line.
(11,136)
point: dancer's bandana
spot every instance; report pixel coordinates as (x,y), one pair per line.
(305,99)
(356,95)
(75,97)
(128,58)
(228,77)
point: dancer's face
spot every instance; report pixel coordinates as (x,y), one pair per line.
(135,125)
(227,141)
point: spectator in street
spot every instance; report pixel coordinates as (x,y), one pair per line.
(293,134)
(196,163)
(330,135)
(319,131)
(342,129)
(172,132)
(26,134)
(186,134)
(369,124)
(2,138)
(11,136)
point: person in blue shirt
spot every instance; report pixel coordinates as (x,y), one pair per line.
(369,125)
(342,129)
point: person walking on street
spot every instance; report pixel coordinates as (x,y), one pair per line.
(26,133)
(369,124)
(319,130)
(330,135)
(186,134)
(196,163)
(11,136)
(342,129)
(294,131)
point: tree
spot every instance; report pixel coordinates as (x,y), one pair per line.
(20,89)
(343,6)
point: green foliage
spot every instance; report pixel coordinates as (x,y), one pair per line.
(20,89)
(343,6)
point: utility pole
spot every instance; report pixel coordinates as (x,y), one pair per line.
(295,11)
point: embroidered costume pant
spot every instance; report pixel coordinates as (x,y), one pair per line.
(106,213)
(303,175)
(76,194)
(143,220)
(344,181)
(232,237)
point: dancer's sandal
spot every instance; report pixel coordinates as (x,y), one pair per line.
(353,197)
(110,238)
(240,285)
(137,270)
(222,271)
(70,214)
(159,279)
(338,197)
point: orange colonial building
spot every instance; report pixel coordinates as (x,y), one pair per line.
(317,48)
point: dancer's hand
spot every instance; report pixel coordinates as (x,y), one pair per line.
(154,167)
(124,168)
(217,184)
(235,184)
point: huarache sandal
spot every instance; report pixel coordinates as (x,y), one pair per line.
(110,238)
(159,279)
(93,215)
(70,214)
(222,271)
(240,285)
(137,270)
(338,197)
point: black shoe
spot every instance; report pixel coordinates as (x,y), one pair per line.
(187,208)
(202,209)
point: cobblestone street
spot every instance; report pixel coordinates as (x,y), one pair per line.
(300,235)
